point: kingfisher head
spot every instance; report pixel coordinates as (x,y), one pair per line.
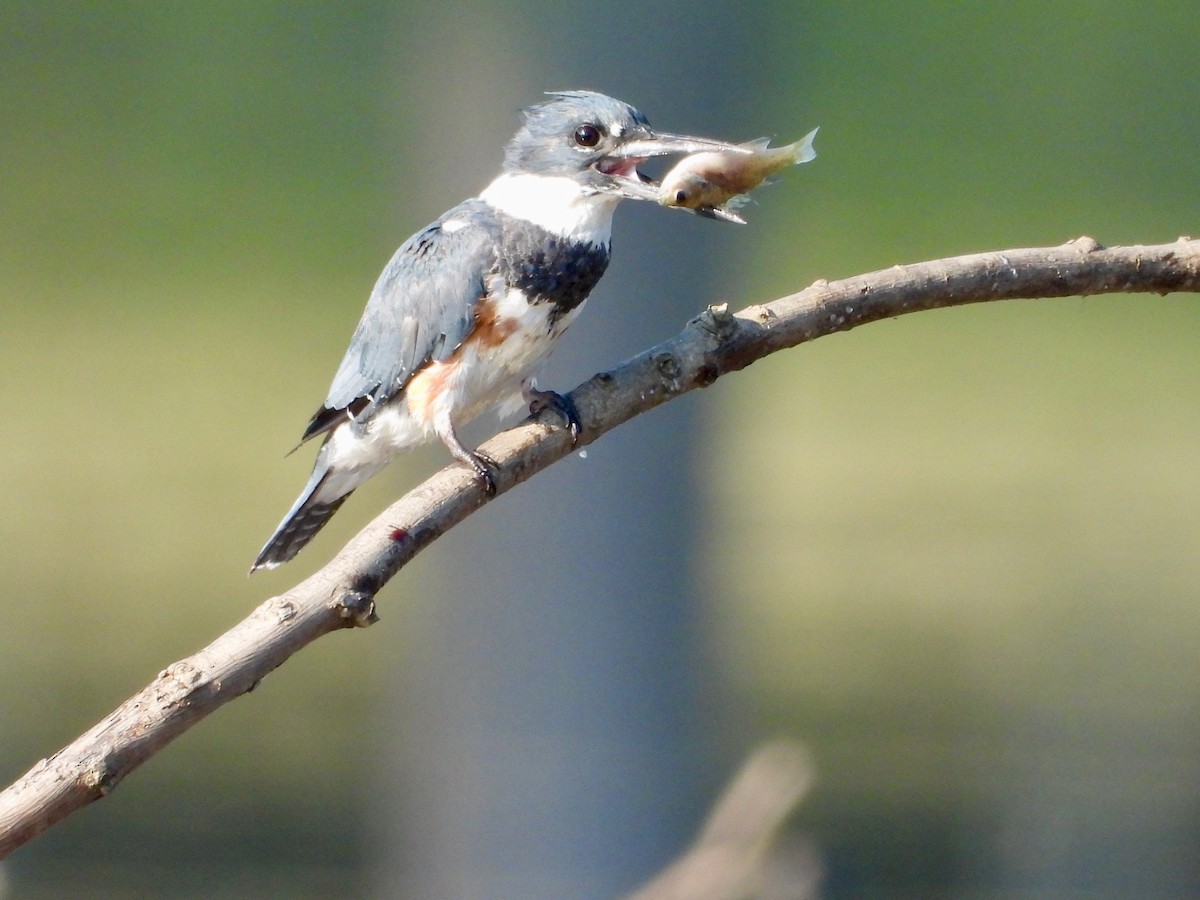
(597,142)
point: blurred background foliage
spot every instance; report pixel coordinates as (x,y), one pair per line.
(956,553)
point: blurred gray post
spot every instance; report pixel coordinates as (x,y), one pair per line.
(549,731)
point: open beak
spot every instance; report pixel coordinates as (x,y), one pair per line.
(621,164)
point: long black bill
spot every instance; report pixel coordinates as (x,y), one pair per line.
(659,144)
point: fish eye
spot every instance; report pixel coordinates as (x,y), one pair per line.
(586,135)
(681,196)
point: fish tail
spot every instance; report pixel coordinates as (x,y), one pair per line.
(802,151)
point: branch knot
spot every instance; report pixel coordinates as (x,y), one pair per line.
(717,320)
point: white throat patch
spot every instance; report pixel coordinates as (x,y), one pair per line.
(554,202)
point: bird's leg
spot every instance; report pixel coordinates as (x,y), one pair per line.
(481,464)
(539,400)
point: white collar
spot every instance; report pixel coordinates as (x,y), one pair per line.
(556,203)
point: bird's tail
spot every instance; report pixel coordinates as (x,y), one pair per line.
(326,491)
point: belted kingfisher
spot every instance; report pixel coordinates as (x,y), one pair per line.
(467,311)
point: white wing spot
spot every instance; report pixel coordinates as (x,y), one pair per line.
(452,225)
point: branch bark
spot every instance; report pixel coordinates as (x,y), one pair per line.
(713,344)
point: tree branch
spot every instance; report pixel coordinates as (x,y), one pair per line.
(715,343)
(730,858)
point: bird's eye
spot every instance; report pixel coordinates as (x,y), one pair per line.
(587,136)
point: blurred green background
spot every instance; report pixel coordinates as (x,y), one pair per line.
(956,553)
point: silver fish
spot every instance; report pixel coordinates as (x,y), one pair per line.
(710,183)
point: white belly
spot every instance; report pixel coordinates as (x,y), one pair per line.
(488,370)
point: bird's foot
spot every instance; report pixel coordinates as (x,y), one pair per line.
(481,464)
(485,470)
(540,400)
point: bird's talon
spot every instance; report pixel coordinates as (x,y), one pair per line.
(560,404)
(489,482)
(485,470)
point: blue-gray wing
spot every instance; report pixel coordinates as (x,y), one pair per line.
(421,309)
